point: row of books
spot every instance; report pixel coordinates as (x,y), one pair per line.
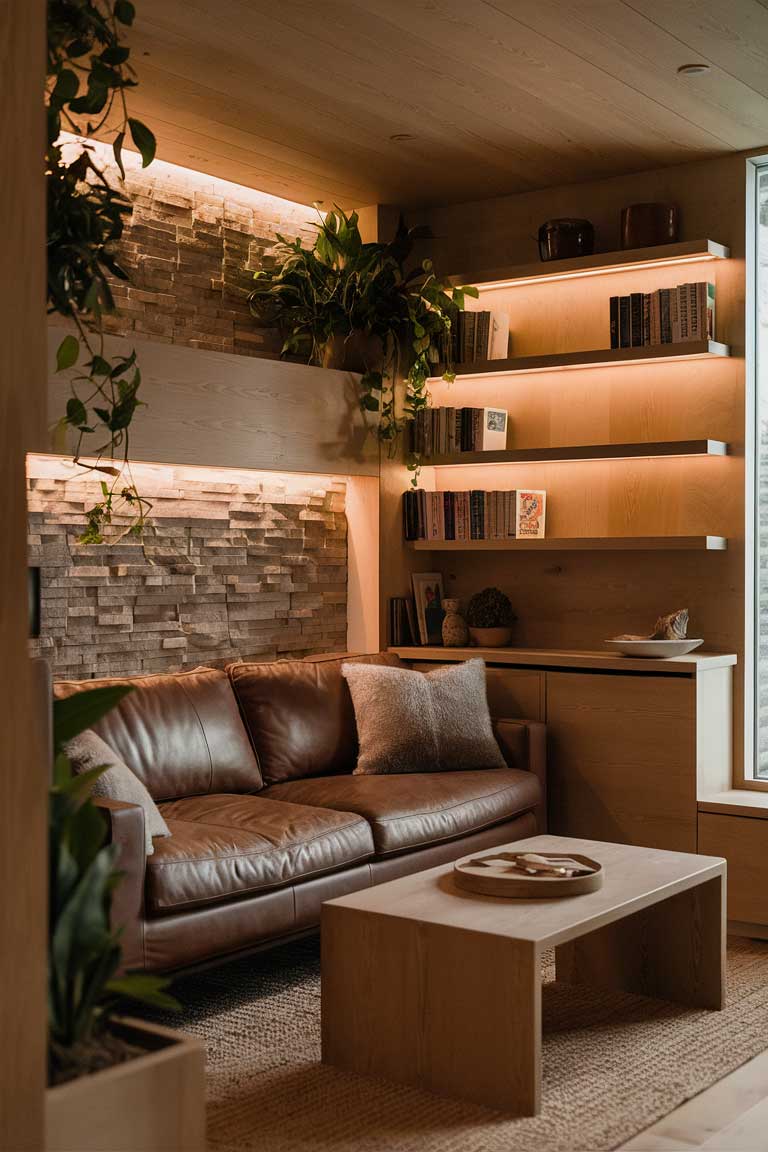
(474,515)
(476,336)
(666,316)
(403,627)
(445,431)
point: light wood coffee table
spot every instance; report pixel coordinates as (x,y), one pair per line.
(430,985)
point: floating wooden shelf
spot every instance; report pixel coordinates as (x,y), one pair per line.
(581,452)
(578,544)
(598,264)
(594,358)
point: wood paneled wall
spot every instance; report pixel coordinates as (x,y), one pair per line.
(572,599)
(222,410)
(23,772)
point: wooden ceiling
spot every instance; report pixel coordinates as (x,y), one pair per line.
(302,99)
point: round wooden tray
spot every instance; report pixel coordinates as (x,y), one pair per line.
(501,881)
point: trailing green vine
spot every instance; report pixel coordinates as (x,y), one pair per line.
(88,75)
(326,297)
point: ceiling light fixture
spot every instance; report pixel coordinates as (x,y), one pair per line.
(402,137)
(692,69)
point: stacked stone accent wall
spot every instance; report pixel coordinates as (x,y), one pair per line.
(236,566)
(190,247)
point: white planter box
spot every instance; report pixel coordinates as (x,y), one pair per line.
(155,1103)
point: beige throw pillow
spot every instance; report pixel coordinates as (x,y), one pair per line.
(422,721)
(87,751)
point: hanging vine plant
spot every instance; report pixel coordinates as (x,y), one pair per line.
(88,75)
(343,294)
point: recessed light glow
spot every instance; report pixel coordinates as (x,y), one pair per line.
(606,270)
(692,69)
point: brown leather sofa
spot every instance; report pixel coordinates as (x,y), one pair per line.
(252,770)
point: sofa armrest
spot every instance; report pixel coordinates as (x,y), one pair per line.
(523,744)
(126,830)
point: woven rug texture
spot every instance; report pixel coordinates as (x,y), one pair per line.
(613,1064)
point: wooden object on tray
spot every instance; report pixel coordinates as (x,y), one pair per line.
(505,874)
(426,984)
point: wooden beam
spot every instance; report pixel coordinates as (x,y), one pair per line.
(23,773)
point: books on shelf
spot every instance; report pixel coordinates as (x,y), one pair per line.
(667,316)
(476,336)
(446,431)
(475,515)
(403,632)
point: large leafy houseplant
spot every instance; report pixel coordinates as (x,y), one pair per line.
(84,987)
(341,289)
(88,74)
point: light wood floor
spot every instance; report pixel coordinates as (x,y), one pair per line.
(732,1115)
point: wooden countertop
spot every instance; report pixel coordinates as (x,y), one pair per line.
(689,665)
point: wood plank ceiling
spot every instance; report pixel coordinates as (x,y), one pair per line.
(302,99)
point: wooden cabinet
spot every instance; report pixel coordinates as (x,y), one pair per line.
(622,754)
(743,841)
(632,745)
(512,693)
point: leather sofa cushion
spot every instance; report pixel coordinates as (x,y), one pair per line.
(414,810)
(180,733)
(299,714)
(224,846)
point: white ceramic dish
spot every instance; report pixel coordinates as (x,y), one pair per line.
(657,648)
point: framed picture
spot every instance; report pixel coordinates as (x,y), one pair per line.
(428,594)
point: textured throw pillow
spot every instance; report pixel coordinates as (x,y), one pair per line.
(88,751)
(422,721)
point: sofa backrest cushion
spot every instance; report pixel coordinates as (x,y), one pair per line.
(299,715)
(180,733)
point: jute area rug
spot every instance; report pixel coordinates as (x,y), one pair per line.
(613,1064)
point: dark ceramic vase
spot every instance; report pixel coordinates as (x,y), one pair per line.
(646,225)
(563,239)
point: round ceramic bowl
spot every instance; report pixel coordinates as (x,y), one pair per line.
(657,648)
(490,637)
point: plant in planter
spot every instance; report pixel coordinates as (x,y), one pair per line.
(88,74)
(490,619)
(343,291)
(100,1065)
(84,951)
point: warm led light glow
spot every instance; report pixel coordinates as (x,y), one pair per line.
(604,270)
(163,170)
(41,466)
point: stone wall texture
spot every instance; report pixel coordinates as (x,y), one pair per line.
(234,567)
(190,247)
(251,566)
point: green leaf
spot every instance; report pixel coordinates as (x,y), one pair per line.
(115,54)
(74,714)
(66,87)
(370,403)
(143,139)
(145,987)
(67,353)
(470,290)
(99,366)
(117,149)
(77,413)
(124,12)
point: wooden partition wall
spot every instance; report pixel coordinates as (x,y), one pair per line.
(23,773)
(575,599)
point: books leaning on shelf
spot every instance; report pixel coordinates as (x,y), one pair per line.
(446,431)
(402,622)
(475,515)
(666,316)
(476,336)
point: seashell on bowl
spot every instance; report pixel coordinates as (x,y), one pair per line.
(663,649)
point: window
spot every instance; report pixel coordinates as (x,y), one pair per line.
(760,173)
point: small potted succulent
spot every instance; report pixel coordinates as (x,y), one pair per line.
(490,619)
